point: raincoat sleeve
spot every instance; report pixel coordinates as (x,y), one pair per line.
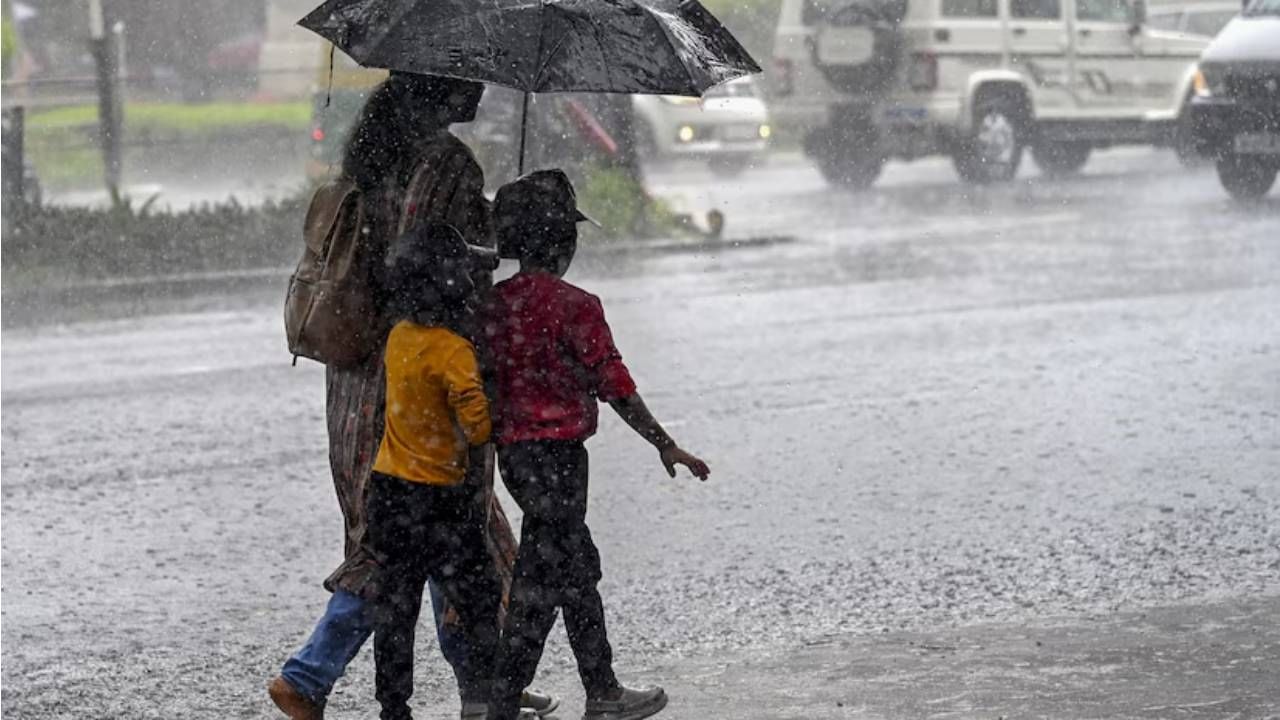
(466,395)
(591,343)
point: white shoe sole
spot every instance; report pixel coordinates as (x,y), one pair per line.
(653,708)
(555,705)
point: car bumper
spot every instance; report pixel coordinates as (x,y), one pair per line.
(713,148)
(1217,122)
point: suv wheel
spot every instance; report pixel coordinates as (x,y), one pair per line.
(994,150)
(851,159)
(1245,177)
(1057,158)
(728,167)
(1185,145)
(852,170)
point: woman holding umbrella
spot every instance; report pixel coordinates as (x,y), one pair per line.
(664,47)
(409,169)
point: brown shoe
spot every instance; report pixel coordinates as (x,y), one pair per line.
(293,703)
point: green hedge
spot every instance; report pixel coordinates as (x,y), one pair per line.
(54,245)
(63,245)
(181,119)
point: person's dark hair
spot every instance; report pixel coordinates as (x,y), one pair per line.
(428,273)
(544,244)
(401,112)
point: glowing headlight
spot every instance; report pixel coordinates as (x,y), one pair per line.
(766,132)
(1209,81)
(685,133)
(1200,84)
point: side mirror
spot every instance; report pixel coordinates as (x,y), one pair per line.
(1137,16)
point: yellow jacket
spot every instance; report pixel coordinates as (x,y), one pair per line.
(436,406)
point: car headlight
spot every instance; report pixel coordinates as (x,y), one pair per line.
(1200,85)
(686,133)
(1207,82)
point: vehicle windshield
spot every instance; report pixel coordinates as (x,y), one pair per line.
(818,11)
(1263,7)
(1209,23)
(733,89)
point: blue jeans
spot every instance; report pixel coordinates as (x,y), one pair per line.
(338,637)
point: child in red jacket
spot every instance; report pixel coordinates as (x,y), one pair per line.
(553,358)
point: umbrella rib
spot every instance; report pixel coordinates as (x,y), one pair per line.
(693,84)
(542,34)
(560,44)
(604,57)
(550,56)
(405,9)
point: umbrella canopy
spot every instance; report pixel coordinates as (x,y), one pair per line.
(667,47)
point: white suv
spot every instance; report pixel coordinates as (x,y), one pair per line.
(979,80)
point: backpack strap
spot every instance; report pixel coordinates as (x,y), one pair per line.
(328,201)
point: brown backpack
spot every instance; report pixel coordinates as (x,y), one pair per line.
(330,313)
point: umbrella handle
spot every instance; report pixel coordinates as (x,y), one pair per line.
(524,128)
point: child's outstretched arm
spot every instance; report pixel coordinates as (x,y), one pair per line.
(636,414)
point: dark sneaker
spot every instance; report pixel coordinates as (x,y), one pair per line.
(293,703)
(542,704)
(627,704)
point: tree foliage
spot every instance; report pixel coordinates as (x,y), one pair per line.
(751,21)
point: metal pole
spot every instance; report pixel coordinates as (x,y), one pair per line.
(105,47)
(14,160)
(524,129)
(14,165)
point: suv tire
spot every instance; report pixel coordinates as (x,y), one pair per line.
(993,151)
(729,166)
(850,160)
(1246,177)
(849,170)
(1058,158)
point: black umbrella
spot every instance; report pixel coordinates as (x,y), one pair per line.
(661,47)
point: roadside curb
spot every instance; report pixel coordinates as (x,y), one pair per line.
(594,249)
(26,306)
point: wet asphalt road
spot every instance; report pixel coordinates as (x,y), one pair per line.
(936,406)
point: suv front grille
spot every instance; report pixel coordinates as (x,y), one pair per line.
(1255,89)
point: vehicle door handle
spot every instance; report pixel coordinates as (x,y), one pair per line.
(1085,32)
(1019,31)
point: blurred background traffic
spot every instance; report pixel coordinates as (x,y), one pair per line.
(192,102)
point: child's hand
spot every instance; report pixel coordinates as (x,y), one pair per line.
(673,456)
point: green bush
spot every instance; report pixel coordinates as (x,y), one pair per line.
(617,200)
(182,119)
(56,245)
(66,244)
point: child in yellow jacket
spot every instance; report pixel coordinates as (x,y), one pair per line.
(426,519)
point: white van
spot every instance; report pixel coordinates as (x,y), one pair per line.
(978,80)
(728,128)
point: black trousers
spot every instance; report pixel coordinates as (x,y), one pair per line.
(421,532)
(558,566)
